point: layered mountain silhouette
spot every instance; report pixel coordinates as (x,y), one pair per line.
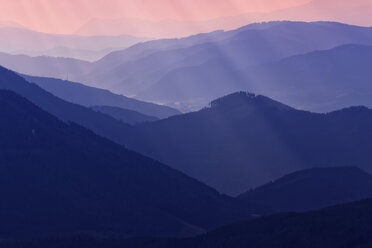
(90,96)
(347,225)
(125,115)
(122,141)
(19,40)
(319,81)
(241,141)
(62,179)
(250,45)
(312,189)
(245,140)
(43,65)
(159,70)
(99,123)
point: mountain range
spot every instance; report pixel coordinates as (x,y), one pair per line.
(211,134)
(226,145)
(188,73)
(115,184)
(250,45)
(90,96)
(44,161)
(244,140)
(319,81)
(59,178)
(21,41)
(99,123)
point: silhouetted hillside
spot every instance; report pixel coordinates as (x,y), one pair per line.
(101,124)
(125,115)
(343,226)
(346,225)
(244,141)
(312,189)
(90,96)
(61,179)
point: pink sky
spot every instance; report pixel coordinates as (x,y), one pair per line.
(66,16)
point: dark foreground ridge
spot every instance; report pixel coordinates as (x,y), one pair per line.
(343,226)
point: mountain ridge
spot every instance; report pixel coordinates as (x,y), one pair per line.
(141,69)
(125,115)
(227,147)
(91,96)
(43,44)
(83,183)
(312,189)
(97,122)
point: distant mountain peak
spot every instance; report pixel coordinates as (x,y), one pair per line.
(246,98)
(234,99)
